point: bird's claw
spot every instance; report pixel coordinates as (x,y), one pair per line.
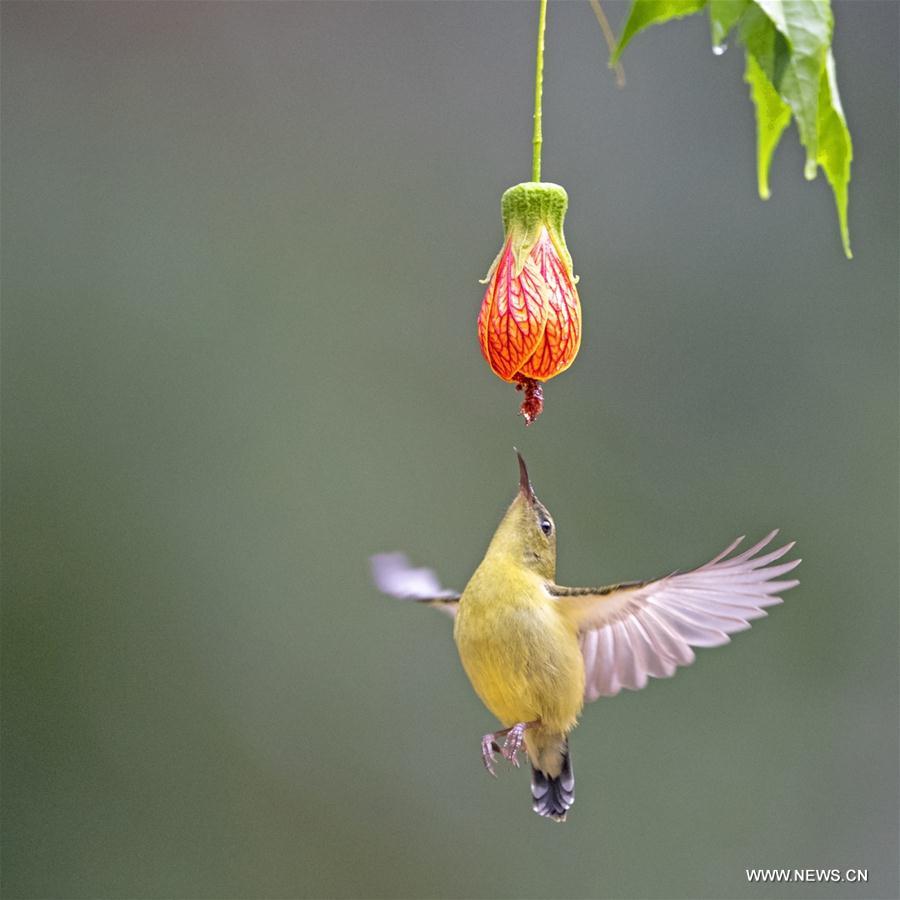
(488,747)
(515,737)
(513,743)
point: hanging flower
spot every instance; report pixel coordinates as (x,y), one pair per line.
(529,326)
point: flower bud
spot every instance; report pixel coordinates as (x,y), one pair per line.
(529,326)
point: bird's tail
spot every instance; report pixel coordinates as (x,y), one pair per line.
(553,794)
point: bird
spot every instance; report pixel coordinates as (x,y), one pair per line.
(536,651)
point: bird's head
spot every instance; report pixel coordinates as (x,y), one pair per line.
(527,532)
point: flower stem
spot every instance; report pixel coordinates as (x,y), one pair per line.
(538,89)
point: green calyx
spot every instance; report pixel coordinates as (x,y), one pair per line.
(529,207)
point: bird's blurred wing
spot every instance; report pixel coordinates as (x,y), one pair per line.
(630,632)
(394,576)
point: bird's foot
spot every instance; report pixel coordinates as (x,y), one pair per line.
(488,747)
(515,737)
(513,743)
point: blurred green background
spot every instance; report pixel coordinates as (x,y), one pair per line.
(241,245)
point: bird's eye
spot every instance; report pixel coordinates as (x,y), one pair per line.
(546,526)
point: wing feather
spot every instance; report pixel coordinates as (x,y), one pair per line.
(393,575)
(646,630)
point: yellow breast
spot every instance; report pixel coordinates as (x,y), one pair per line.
(521,656)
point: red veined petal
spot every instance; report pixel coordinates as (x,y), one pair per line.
(562,335)
(513,315)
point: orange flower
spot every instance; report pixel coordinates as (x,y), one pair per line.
(529,326)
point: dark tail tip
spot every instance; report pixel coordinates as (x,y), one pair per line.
(553,797)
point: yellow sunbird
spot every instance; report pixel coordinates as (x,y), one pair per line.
(536,651)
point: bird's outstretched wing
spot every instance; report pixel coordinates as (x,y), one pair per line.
(394,576)
(630,632)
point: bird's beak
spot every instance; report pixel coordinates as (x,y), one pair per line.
(524,481)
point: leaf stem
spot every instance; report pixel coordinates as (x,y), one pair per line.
(610,39)
(538,140)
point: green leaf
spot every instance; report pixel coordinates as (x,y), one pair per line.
(790,71)
(835,149)
(773,115)
(723,16)
(788,51)
(645,13)
(766,44)
(806,25)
